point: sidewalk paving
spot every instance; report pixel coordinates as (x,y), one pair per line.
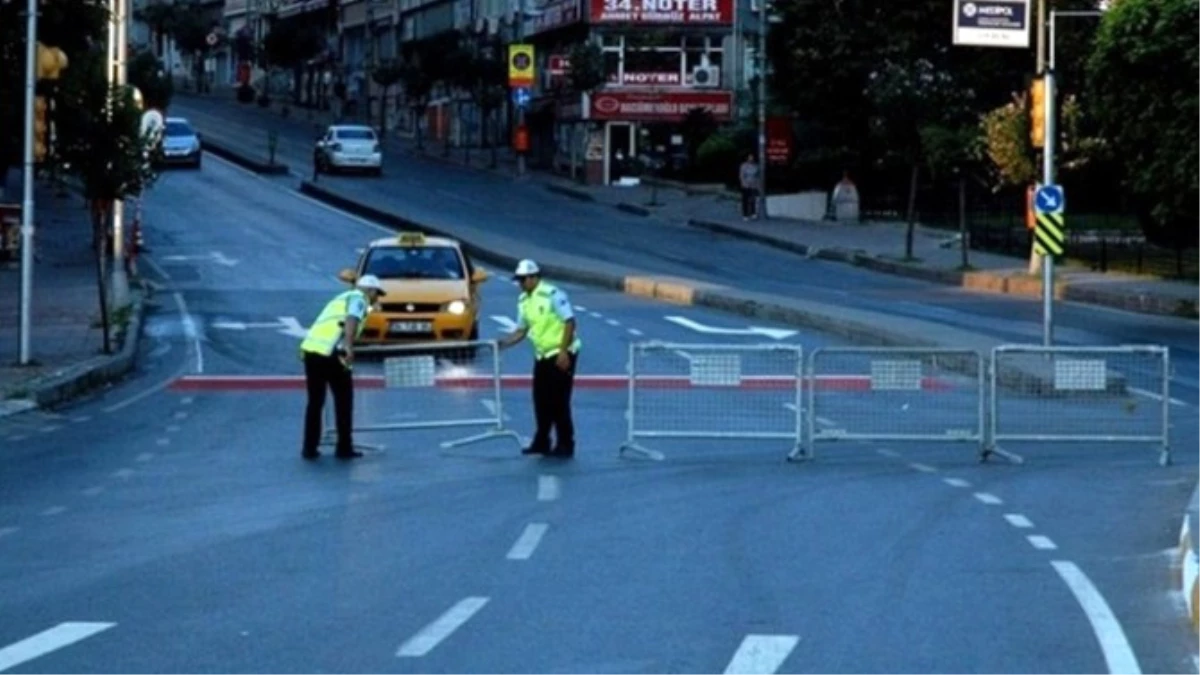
(875,245)
(65,337)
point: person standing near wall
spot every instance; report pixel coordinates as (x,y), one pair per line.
(748,177)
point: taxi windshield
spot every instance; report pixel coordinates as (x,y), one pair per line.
(425,262)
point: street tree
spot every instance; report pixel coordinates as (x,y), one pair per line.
(387,75)
(147,74)
(418,84)
(584,75)
(954,151)
(1142,78)
(101,145)
(489,86)
(289,45)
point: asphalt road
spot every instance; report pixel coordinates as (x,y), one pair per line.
(157,529)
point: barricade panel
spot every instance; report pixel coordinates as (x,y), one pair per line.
(427,386)
(705,391)
(896,394)
(1117,394)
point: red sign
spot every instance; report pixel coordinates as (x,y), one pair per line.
(708,12)
(647,79)
(779,140)
(659,106)
(558,65)
(555,14)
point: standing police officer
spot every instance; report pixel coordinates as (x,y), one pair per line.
(328,354)
(544,315)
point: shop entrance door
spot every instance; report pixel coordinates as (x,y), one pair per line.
(620,142)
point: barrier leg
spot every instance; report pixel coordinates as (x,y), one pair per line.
(329,435)
(488,435)
(994,449)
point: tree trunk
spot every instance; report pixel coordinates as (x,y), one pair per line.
(100,213)
(963,236)
(418,113)
(912,212)
(493,142)
(465,136)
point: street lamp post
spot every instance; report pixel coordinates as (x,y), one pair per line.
(27,185)
(761,211)
(520,28)
(118,74)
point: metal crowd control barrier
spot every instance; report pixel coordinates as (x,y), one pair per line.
(896,394)
(706,391)
(440,386)
(1118,394)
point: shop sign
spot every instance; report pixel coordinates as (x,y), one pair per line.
(706,12)
(779,140)
(554,14)
(660,79)
(659,106)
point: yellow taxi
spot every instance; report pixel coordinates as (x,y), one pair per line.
(432,290)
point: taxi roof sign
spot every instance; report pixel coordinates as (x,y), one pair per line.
(411,239)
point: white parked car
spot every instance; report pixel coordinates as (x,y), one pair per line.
(348,146)
(180,143)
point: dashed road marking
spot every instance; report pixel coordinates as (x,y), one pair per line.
(612,322)
(1041,543)
(54,510)
(122,473)
(528,541)
(923,468)
(18,439)
(988,498)
(181,415)
(580,308)
(762,653)
(549,488)
(94,490)
(163,441)
(50,429)
(887,453)
(596,315)
(145,457)
(635,332)
(173,428)
(47,641)
(957,482)
(186,400)
(1117,653)
(5,531)
(442,627)
(1018,520)
(81,419)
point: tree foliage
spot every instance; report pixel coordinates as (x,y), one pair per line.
(1142,80)
(1006,142)
(587,67)
(146,73)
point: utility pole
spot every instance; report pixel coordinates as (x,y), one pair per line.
(761,211)
(118,72)
(27,183)
(520,28)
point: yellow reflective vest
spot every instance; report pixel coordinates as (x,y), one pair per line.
(546,328)
(326,332)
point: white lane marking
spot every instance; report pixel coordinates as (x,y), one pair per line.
(429,636)
(5,531)
(923,468)
(54,510)
(612,322)
(163,441)
(122,473)
(18,439)
(189,324)
(580,308)
(49,429)
(181,415)
(81,419)
(43,643)
(94,490)
(1156,397)
(528,541)
(1041,542)
(761,653)
(596,315)
(988,498)
(186,400)
(957,482)
(145,457)
(634,332)
(172,428)
(549,488)
(1117,652)
(148,392)
(888,453)
(491,408)
(505,322)
(1018,520)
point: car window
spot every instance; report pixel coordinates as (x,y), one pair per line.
(430,262)
(178,129)
(356,134)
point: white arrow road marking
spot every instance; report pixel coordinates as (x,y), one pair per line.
(213,256)
(505,322)
(1117,653)
(774,333)
(762,653)
(49,640)
(491,408)
(442,627)
(238,325)
(220,259)
(291,326)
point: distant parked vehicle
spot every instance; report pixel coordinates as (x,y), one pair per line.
(348,147)
(180,143)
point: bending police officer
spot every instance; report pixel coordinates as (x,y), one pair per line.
(544,316)
(328,355)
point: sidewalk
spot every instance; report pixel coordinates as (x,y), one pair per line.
(65,341)
(876,245)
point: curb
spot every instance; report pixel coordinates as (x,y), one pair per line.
(633,208)
(573,193)
(1033,376)
(243,161)
(1188,559)
(75,380)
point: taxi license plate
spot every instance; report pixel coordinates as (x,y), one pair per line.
(401,327)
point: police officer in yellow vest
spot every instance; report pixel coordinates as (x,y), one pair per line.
(545,317)
(328,354)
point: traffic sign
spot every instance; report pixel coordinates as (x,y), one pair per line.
(521,96)
(1050,235)
(520,65)
(211,40)
(1050,199)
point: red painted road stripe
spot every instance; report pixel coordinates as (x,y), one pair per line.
(296,382)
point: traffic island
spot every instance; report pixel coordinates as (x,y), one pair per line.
(265,168)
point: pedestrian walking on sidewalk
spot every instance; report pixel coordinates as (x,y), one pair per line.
(544,316)
(748,176)
(328,355)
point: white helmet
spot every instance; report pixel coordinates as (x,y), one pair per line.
(526,268)
(370,282)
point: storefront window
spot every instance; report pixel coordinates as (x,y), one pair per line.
(652,61)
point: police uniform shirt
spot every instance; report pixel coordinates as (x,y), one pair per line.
(356,306)
(558,301)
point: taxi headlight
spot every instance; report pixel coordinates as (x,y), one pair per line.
(457,307)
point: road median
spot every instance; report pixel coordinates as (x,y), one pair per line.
(257,166)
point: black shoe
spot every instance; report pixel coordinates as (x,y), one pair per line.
(310,454)
(347,454)
(535,450)
(565,453)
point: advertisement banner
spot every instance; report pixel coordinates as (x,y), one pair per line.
(554,14)
(694,12)
(992,23)
(653,106)
(779,140)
